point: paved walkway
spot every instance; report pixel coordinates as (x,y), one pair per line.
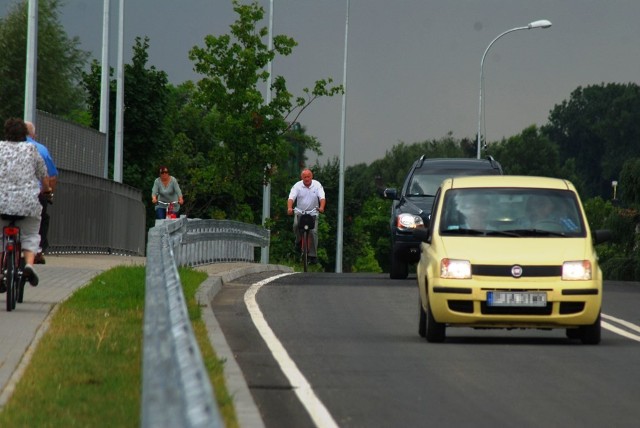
(21,329)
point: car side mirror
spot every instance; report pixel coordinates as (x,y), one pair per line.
(600,236)
(390,193)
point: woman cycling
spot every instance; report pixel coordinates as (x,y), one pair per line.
(22,171)
(165,189)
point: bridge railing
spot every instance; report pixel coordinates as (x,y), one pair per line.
(175,385)
(214,241)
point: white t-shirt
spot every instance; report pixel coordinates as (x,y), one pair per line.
(307,198)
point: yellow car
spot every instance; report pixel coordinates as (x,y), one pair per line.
(509,252)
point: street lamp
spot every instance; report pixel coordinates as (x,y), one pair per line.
(266,187)
(339,237)
(543,23)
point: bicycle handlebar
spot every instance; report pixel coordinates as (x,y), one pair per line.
(299,211)
(167,203)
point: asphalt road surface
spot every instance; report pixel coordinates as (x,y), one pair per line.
(354,340)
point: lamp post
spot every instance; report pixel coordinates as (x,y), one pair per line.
(543,23)
(339,237)
(31,70)
(266,188)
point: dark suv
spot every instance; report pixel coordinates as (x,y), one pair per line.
(411,207)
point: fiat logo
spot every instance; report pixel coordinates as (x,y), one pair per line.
(516,271)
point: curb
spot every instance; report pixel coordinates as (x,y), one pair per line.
(246,409)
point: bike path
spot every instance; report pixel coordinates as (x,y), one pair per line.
(22,328)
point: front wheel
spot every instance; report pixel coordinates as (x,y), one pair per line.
(436,331)
(422,321)
(573,333)
(305,249)
(590,334)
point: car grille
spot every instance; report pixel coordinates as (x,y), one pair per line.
(527,271)
(507,310)
(566,308)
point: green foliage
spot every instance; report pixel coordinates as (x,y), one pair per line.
(147,97)
(248,138)
(622,224)
(528,153)
(599,127)
(392,169)
(598,211)
(620,258)
(372,223)
(59,62)
(629,183)
(367,262)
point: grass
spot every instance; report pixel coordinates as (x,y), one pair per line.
(86,370)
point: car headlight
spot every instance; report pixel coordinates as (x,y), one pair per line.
(409,221)
(455,269)
(579,270)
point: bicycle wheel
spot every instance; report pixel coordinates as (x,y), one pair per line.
(21,281)
(305,249)
(10,281)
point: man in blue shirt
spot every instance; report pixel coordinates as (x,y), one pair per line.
(45,194)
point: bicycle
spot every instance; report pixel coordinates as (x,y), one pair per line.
(12,263)
(168,207)
(306,223)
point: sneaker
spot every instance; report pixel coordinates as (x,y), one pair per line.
(31,275)
(39,259)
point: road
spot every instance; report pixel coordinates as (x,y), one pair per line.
(354,340)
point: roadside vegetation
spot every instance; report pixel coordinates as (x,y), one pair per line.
(87,369)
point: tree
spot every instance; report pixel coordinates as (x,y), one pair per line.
(528,153)
(629,184)
(146,98)
(59,66)
(392,169)
(599,127)
(248,133)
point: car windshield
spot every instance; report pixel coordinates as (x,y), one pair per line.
(511,212)
(426,182)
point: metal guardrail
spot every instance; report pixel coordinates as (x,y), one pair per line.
(176,390)
(211,241)
(93,215)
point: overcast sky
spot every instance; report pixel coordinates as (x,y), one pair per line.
(413,68)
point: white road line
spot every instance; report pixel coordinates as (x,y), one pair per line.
(319,414)
(622,322)
(620,331)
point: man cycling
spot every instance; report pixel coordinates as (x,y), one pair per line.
(308,195)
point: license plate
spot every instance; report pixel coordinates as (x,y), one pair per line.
(516,298)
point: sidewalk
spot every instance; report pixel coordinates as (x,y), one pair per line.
(21,329)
